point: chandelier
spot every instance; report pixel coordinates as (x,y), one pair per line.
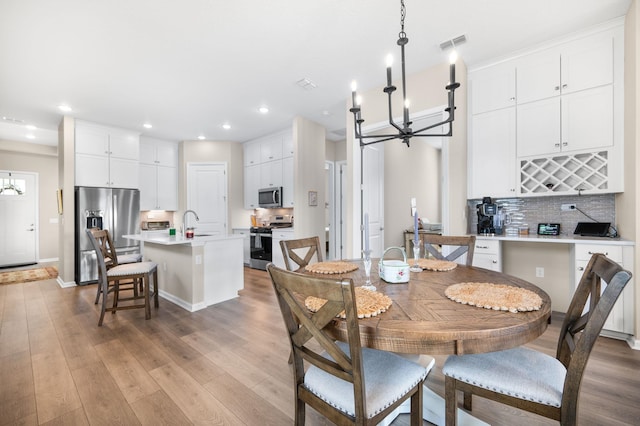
(404,130)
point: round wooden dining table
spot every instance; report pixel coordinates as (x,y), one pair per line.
(422,320)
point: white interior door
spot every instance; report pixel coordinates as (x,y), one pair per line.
(18,227)
(373,196)
(207,196)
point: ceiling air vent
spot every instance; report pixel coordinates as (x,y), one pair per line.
(456,41)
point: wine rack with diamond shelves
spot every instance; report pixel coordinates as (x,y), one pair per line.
(566,174)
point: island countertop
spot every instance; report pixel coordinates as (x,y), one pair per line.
(168,240)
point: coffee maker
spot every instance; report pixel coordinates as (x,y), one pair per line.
(486,211)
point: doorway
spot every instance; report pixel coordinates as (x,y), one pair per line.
(18,210)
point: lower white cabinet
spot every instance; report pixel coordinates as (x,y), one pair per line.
(487,254)
(276,252)
(622,315)
(246,244)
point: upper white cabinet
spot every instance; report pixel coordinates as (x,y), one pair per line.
(564,128)
(266,165)
(493,88)
(106,156)
(492,156)
(158,175)
(569,68)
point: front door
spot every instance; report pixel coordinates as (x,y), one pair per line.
(207,196)
(18,194)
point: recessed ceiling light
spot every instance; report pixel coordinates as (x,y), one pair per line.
(147,125)
(263,109)
(30,136)
(226,126)
(64,108)
(30,127)
(201,137)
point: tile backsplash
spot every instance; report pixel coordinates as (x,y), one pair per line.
(531,211)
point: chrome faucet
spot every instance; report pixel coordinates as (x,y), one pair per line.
(184,218)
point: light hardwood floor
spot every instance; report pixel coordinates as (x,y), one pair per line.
(226,364)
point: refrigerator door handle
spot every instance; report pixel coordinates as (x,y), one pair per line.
(114,215)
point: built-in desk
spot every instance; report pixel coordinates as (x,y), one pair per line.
(556,263)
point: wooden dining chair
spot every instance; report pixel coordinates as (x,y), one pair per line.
(111,257)
(534,381)
(308,248)
(465,245)
(346,383)
(138,275)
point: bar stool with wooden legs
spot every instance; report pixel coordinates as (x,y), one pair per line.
(139,274)
(111,258)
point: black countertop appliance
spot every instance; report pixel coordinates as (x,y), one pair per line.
(486,211)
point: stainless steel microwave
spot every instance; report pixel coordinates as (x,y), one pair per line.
(270,198)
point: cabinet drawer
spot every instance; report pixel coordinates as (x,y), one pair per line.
(487,247)
(584,251)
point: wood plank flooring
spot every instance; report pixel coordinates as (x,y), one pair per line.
(225,365)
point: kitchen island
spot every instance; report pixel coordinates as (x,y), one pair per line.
(195,272)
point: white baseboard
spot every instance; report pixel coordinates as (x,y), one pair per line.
(182,303)
(64,284)
(53,259)
(633,343)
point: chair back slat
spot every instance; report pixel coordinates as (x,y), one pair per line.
(299,253)
(466,244)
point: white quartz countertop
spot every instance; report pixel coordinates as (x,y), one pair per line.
(562,239)
(168,240)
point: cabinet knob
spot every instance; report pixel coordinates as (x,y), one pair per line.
(606,253)
(494,261)
(580,268)
(513,98)
(564,86)
(482,247)
(557,145)
(565,143)
(557,88)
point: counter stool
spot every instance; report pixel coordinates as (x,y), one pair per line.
(138,275)
(110,255)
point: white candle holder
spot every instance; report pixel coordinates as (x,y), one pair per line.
(416,255)
(366,260)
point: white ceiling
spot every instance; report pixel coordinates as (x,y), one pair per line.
(189,66)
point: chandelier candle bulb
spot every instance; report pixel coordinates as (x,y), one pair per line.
(389,63)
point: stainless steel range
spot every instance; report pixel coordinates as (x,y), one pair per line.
(261,241)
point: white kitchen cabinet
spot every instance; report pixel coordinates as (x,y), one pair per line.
(578,121)
(621,318)
(158,175)
(488,254)
(288,184)
(493,88)
(251,186)
(276,252)
(492,157)
(246,244)
(106,156)
(287,144)
(271,148)
(265,166)
(251,153)
(579,65)
(271,174)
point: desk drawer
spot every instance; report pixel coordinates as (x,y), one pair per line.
(584,251)
(487,247)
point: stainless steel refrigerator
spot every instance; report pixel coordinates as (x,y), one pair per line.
(118,211)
